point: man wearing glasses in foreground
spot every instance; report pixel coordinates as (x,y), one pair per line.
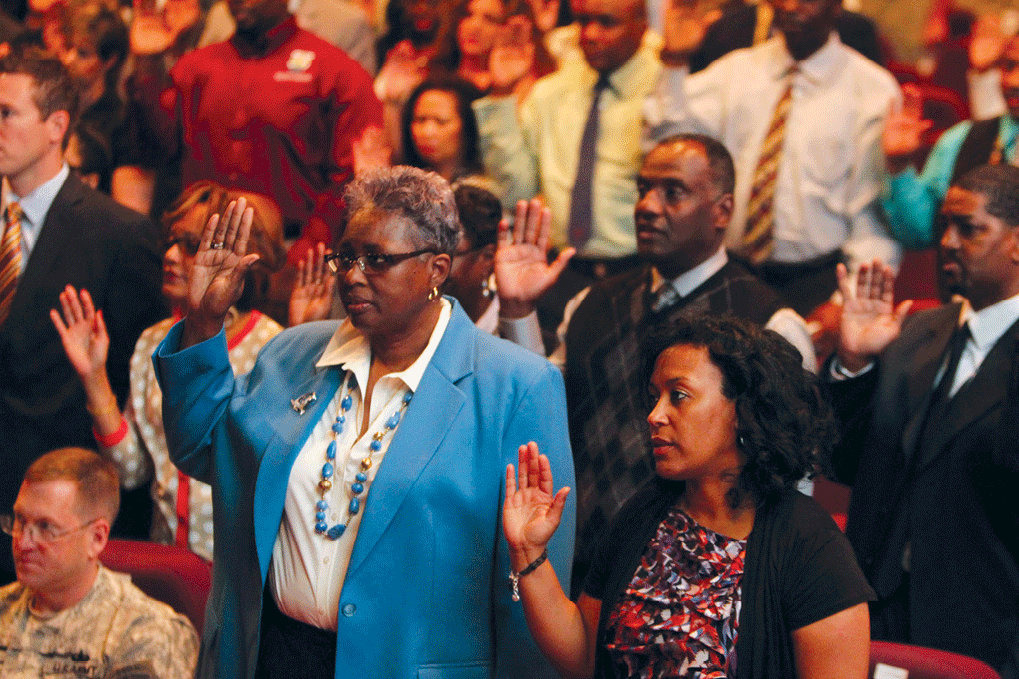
(67,616)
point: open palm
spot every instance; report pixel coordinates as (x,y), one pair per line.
(82,332)
(522,270)
(870,320)
(312,296)
(686,24)
(217,278)
(531,513)
(904,128)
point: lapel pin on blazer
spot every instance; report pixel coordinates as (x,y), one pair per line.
(300,403)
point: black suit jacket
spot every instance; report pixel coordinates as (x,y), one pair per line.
(954,499)
(91,242)
(735,29)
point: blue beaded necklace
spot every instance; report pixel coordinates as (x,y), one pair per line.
(328,469)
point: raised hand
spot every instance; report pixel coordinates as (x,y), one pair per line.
(371,150)
(531,513)
(153,32)
(546,14)
(180,15)
(403,70)
(686,23)
(522,271)
(904,128)
(987,43)
(312,296)
(82,332)
(512,57)
(870,321)
(217,276)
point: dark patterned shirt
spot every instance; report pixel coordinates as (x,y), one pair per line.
(679,615)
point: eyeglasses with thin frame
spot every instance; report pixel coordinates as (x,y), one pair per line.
(371,264)
(39,531)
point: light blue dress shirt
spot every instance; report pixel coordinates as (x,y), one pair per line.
(34,207)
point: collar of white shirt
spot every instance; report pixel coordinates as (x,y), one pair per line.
(349,349)
(689,281)
(988,325)
(819,68)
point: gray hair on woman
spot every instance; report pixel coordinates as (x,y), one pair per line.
(423,198)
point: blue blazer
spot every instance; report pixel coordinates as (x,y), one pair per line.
(426,591)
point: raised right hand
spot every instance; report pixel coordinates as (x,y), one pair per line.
(685,25)
(312,296)
(869,321)
(402,71)
(530,514)
(371,150)
(82,332)
(904,128)
(522,270)
(987,43)
(217,276)
(153,32)
(512,56)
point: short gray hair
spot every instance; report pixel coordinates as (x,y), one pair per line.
(422,198)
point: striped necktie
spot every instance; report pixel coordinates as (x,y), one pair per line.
(10,258)
(665,298)
(759,237)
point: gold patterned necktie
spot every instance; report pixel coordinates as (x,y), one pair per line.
(759,237)
(998,153)
(10,258)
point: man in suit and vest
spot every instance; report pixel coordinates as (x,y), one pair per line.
(58,232)
(684,189)
(912,200)
(929,405)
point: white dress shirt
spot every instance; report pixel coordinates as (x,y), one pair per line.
(985,98)
(831,169)
(308,569)
(985,328)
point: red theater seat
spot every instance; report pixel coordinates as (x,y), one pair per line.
(926,663)
(170,574)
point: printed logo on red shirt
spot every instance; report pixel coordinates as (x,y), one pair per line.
(297,67)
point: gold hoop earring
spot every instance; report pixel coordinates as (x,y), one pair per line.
(433,293)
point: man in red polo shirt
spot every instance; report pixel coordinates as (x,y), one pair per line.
(274,110)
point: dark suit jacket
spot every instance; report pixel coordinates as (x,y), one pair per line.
(91,242)
(953,499)
(735,29)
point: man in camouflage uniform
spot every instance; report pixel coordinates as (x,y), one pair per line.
(67,616)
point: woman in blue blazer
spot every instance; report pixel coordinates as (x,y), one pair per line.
(357,521)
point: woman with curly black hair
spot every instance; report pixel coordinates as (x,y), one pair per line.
(719,567)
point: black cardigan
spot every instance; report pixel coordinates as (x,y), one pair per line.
(799,569)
